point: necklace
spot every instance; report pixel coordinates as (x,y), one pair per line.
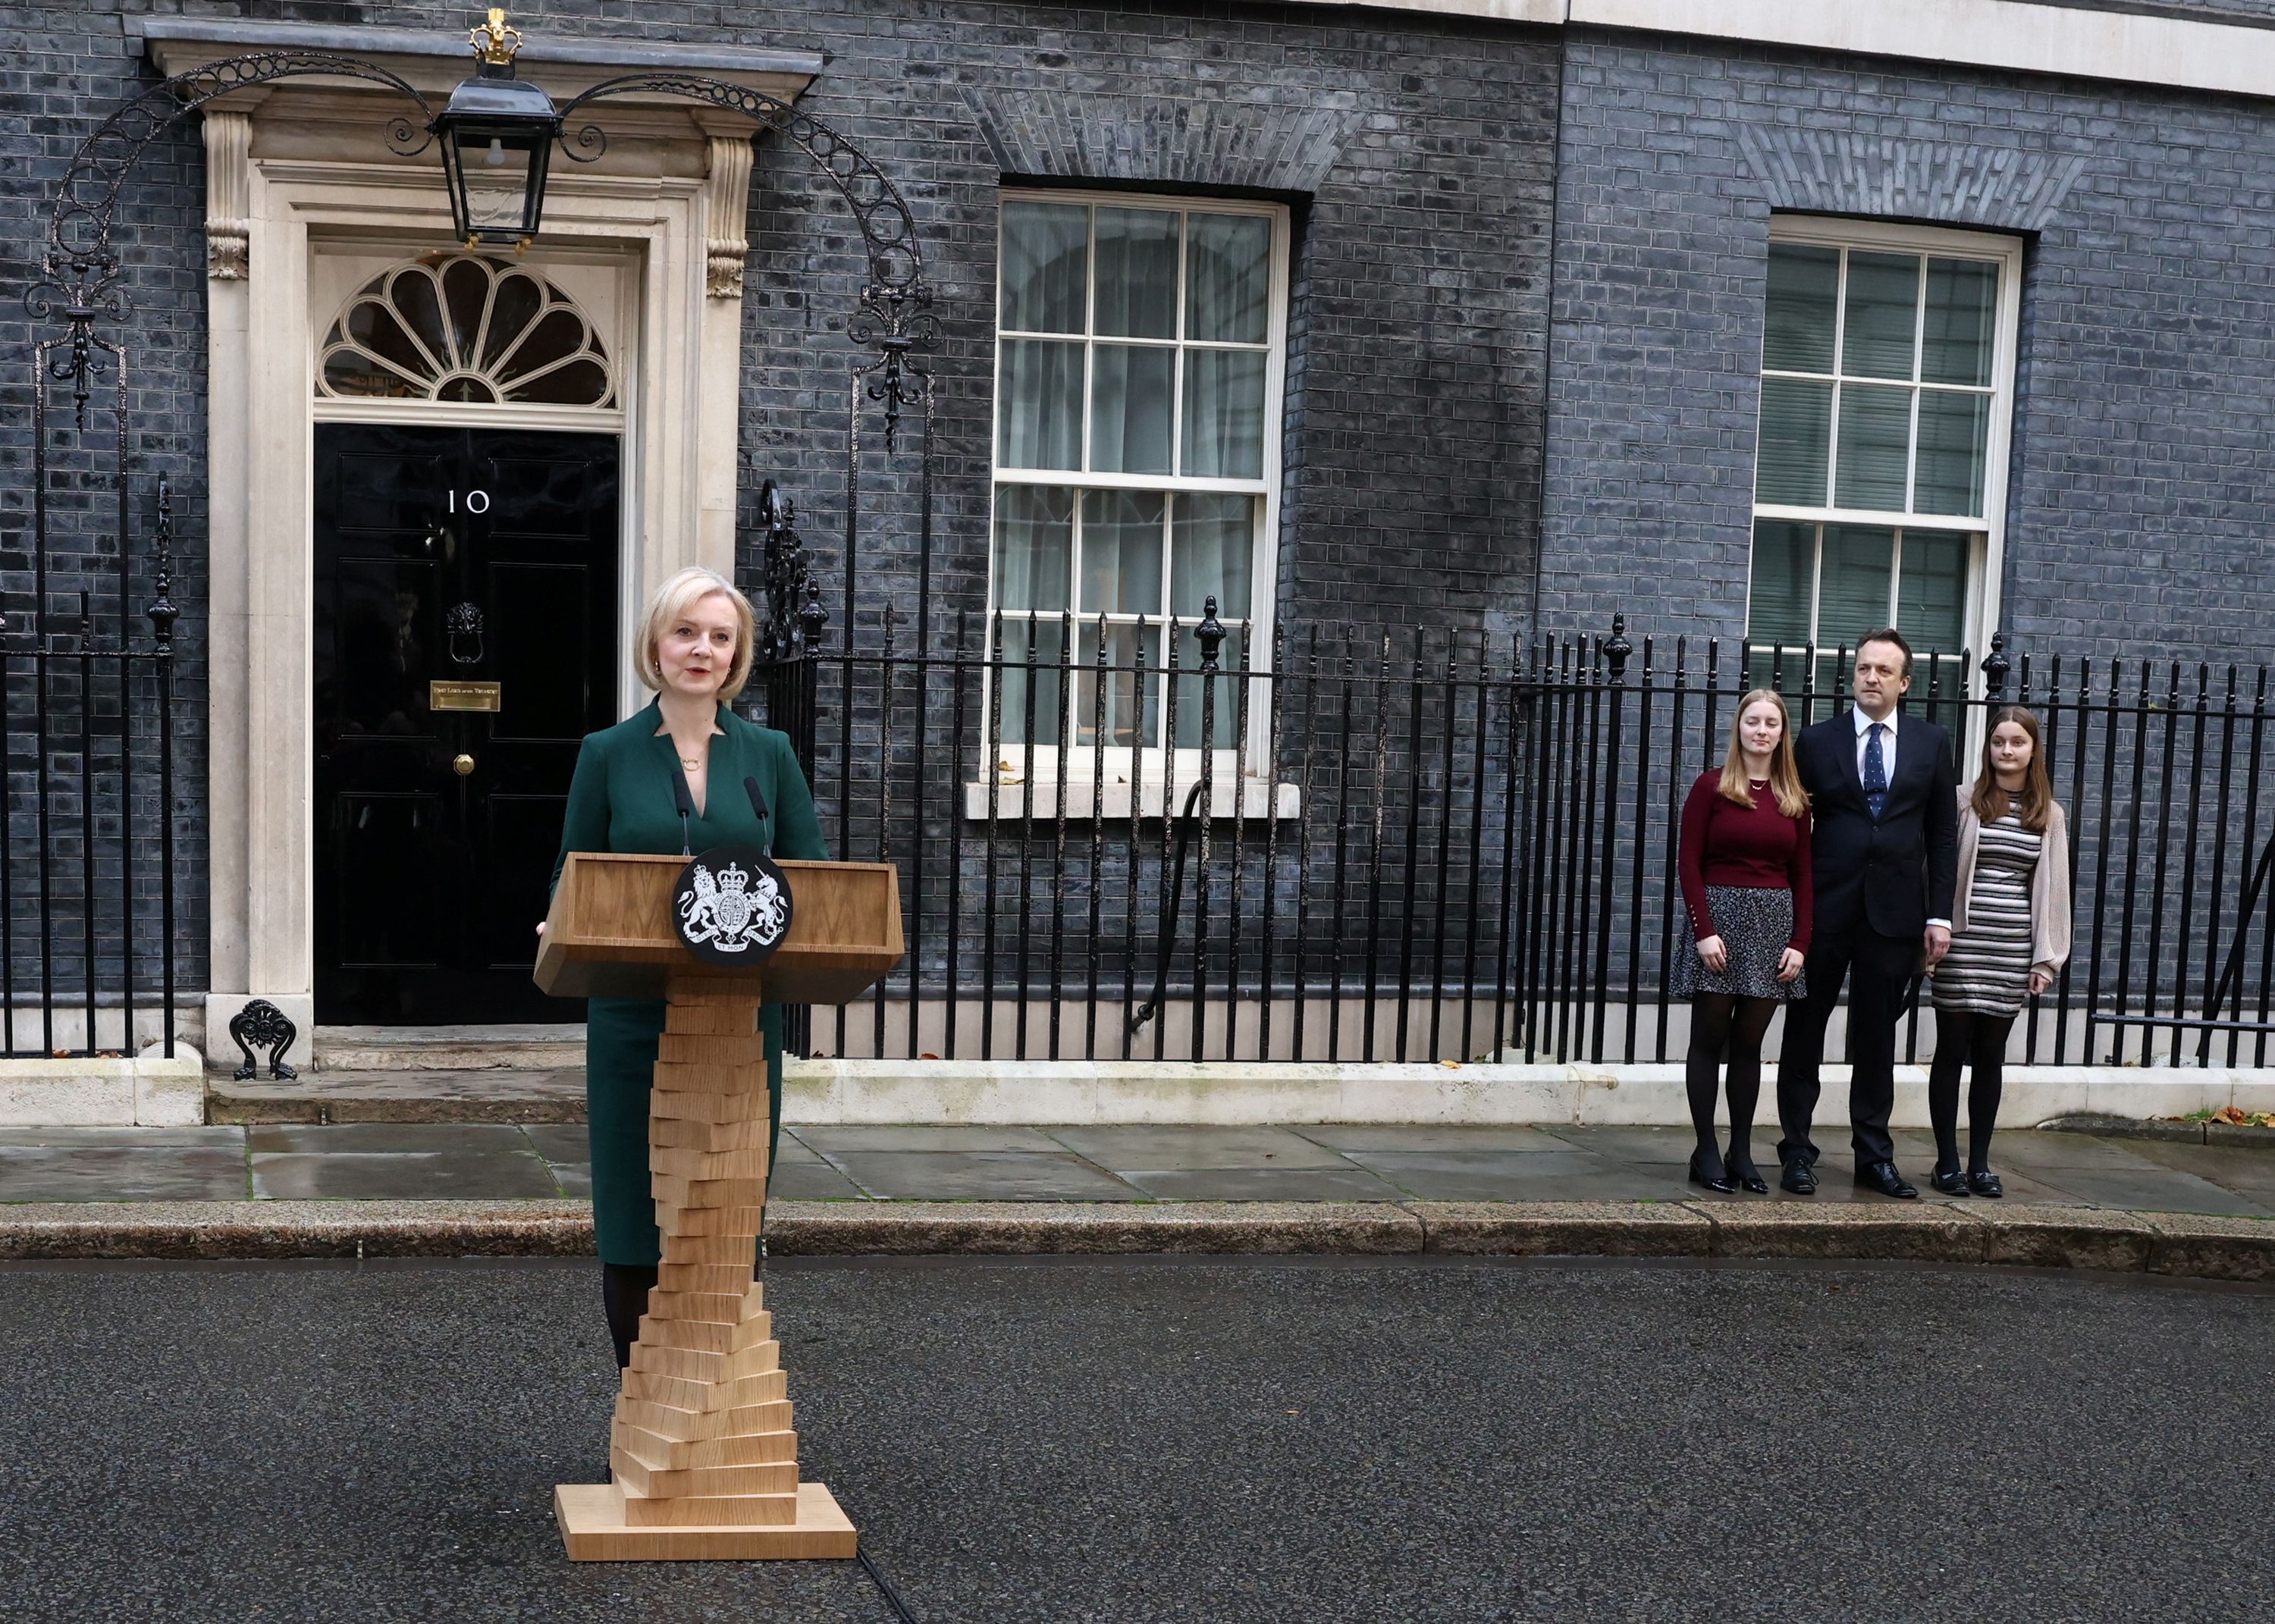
(691,762)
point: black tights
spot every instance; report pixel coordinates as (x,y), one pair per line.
(623,1298)
(1722,1025)
(1965,1037)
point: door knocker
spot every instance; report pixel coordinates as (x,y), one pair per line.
(463,622)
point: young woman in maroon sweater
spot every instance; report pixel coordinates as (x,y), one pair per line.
(1746,888)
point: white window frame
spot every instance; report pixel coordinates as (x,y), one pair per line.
(1979,615)
(1142,771)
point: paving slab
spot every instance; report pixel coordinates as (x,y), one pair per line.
(790,1180)
(1496,1175)
(2043,1152)
(203,1171)
(463,1175)
(924,1137)
(979,1176)
(2158,1188)
(1170,1149)
(558,1143)
(1422,1136)
(388,1138)
(1649,1146)
(2248,1172)
(1339,1183)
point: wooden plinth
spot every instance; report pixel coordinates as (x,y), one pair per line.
(702,1452)
(594,1530)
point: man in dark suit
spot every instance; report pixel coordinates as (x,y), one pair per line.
(1885,846)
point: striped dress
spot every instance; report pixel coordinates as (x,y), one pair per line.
(1988,969)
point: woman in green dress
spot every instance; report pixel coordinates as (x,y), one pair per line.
(694,651)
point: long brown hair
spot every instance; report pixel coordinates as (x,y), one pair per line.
(1785,771)
(1990,802)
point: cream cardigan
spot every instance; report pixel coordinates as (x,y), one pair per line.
(2049,884)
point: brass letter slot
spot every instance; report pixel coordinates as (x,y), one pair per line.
(462,696)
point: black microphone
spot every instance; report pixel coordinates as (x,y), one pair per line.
(686,807)
(758,806)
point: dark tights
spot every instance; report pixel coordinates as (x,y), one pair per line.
(1721,1026)
(624,1297)
(1965,1037)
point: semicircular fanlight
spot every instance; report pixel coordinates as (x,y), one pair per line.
(465,327)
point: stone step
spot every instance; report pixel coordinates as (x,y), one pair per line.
(494,1095)
(448,1049)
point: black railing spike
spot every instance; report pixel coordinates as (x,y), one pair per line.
(1618,651)
(1996,667)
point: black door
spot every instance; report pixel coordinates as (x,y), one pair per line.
(456,569)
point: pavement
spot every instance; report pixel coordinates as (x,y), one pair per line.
(1162,1441)
(501,1161)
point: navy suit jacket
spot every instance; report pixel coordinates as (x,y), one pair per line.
(1895,872)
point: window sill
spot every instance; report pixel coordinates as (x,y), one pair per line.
(1086,801)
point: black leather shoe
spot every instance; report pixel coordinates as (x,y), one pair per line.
(1985,1184)
(1799,1179)
(1714,1178)
(1743,1173)
(1948,1184)
(1883,1176)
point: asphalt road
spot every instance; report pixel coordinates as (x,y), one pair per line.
(1137,1440)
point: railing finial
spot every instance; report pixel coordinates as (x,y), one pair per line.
(1618,649)
(1996,666)
(1210,634)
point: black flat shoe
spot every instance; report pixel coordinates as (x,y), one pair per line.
(1986,1183)
(1744,1175)
(1715,1181)
(1883,1177)
(1951,1183)
(1799,1179)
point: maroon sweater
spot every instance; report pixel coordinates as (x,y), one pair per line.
(1757,847)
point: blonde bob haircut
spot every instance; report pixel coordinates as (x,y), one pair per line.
(671,603)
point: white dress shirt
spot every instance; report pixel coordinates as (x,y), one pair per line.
(1887,754)
(1865,740)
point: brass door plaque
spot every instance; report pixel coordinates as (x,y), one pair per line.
(462,696)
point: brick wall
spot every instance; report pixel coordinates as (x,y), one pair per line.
(2140,500)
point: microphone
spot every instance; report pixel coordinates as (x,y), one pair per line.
(759,807)
(685,806)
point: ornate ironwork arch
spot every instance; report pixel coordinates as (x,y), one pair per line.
(80,267)
(896,303)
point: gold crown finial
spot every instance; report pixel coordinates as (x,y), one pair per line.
(494,44)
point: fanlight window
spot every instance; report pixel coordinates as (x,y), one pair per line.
(465,327)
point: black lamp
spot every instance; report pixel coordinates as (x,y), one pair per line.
(496,133)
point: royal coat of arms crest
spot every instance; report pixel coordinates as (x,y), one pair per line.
(733,905)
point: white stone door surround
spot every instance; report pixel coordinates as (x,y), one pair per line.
(301,190)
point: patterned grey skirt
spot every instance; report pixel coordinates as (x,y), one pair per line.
(1755,924)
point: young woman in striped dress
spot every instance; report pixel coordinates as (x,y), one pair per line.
(2009,938)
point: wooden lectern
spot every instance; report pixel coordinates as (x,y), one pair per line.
(704,1460)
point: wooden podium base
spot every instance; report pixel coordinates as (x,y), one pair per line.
(593,1528)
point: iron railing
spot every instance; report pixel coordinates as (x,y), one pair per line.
(1432,846)
(87,844)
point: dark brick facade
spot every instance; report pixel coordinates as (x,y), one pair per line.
(1429,164)
(2139,498)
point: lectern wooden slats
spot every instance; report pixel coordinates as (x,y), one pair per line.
(703,1459)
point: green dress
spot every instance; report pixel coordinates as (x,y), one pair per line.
(621,800)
